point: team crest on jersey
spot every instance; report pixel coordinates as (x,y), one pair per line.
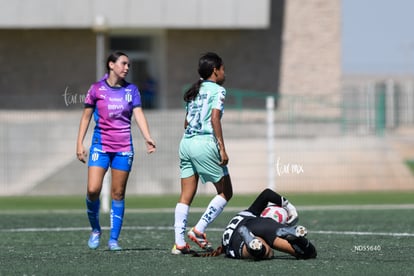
(128,97)
(95,156)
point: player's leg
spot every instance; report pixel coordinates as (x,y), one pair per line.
(300,248)
(215,207)
(118,186)
(283,245)
(95,178)
(189,183)
(304,249)
(213,210)
(291,239)
(254,247)
(121,166)
(182,209)
(207,165)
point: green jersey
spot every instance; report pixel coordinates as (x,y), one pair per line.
(211,96)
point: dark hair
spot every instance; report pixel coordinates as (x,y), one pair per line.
(113,58)
(206,65)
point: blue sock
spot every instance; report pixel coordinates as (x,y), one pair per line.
(117,217)
(92,208)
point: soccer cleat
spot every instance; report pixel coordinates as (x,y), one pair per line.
(292,232)
(255,246)
(252,242)
(94,239)
(200,239)
(181,250)
(114,246)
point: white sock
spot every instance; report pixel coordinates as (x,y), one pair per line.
(180,223)
(213,210)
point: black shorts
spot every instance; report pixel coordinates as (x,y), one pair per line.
(264,228)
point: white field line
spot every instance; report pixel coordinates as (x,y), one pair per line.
(227,209)
(170,228)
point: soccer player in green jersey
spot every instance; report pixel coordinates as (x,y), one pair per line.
(202,153)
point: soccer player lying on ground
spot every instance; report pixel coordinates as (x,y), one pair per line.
(252,236)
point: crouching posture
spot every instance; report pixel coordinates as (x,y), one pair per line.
(250,235)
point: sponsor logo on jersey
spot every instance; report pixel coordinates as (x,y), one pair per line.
(102,88)
(115,107)
(95,149)
(115,99)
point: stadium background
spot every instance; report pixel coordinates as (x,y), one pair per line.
(332,132)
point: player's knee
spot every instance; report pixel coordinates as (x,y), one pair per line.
(228,194)
(93,194)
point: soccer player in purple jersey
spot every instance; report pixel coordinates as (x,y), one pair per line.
(112,101)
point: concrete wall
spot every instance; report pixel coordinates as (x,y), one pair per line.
(51,67)
(37,155)
(38,66)
(252,58)
(311,61)
(134,13)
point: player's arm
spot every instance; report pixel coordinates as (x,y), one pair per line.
(263,199)
(300,248)
(185,121)
(144,128)
(269,196)
(83,128)
(218,132)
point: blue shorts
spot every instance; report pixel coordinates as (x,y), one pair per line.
(116,160)
(200,155)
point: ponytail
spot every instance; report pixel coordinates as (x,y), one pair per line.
(192,92)
(214,253)
(206,65)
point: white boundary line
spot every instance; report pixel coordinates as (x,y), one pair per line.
(227,209)
(170,228)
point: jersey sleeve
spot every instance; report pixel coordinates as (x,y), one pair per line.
(219,97)
(136,98)
(90,99)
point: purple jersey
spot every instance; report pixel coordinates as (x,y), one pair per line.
(112,113)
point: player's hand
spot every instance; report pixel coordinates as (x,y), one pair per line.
(81,154)
(224,158)
(292,214)
(150,144)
